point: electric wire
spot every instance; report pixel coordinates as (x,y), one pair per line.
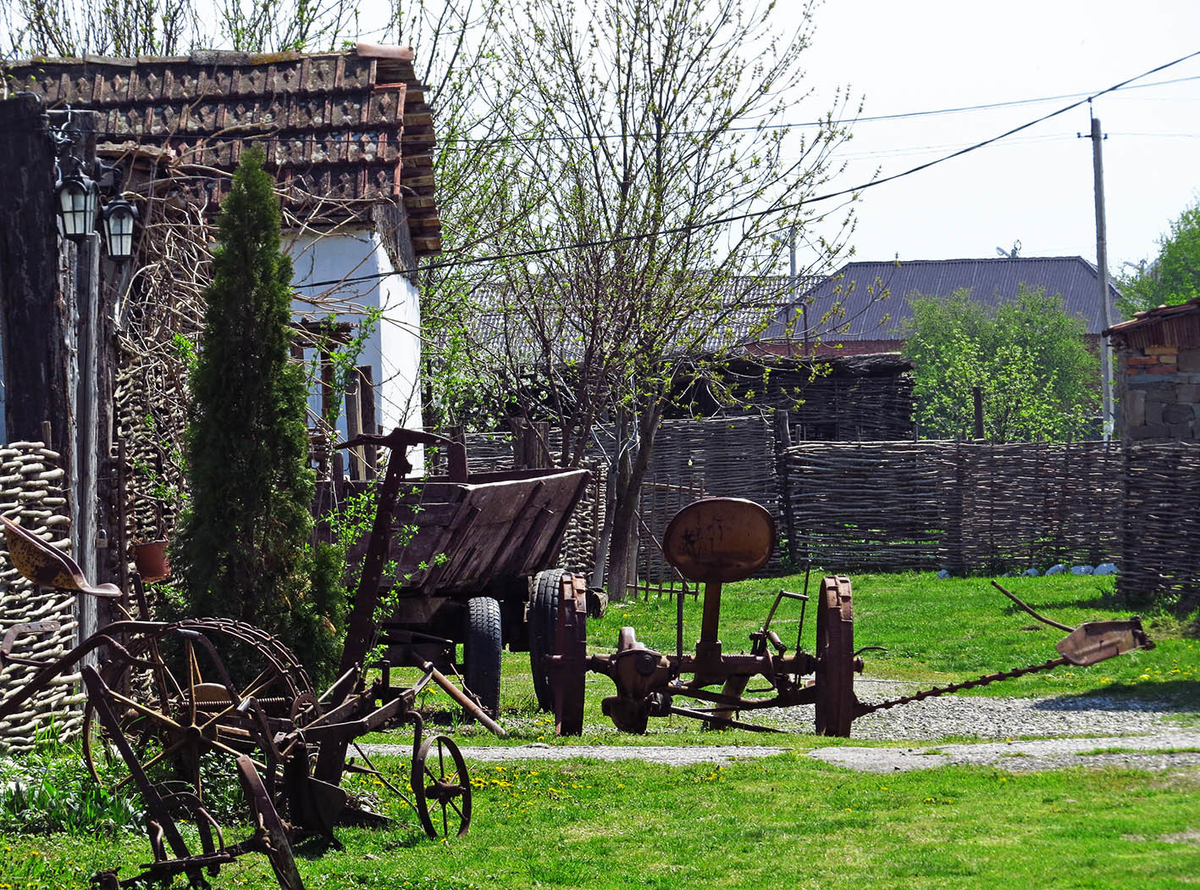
(858,119)
(752,215)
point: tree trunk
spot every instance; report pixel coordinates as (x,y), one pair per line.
(628,485)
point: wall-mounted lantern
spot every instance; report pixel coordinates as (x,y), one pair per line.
(119,219)
(76,205)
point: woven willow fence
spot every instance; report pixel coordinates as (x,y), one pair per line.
(729,456)
(31,493)
(1161,524)
(964,506)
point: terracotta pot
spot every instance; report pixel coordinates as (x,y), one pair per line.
(151,560)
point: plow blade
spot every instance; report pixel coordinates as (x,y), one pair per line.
(1096,641)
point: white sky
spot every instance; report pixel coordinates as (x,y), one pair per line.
(1035,186)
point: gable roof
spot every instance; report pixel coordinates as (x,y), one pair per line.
(991,282)
(349,126)
(743,305)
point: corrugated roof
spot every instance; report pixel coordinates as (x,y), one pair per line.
(1177,325)
(991,281)
(748,304)
(350,126)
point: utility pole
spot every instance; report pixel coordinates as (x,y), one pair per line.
(1102,269)
(793,283)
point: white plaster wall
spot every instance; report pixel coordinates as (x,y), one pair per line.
(325,266)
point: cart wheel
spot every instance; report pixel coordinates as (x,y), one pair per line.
(482,651)
(543,617)
(439,775)
(175,711)
(835,658)
(275,841)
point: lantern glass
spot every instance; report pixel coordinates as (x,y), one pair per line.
(77,206)
(119,219)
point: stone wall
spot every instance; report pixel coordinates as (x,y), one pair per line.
(1159,392)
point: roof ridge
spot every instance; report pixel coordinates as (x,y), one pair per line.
(220,57)
(986,259)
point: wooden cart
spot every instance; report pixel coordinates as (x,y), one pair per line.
(467,554)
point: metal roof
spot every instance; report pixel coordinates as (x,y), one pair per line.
(863,316)
(745,306)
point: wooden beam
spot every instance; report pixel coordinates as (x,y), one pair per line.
(35,370)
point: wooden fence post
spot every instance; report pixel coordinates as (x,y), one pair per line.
(783,441)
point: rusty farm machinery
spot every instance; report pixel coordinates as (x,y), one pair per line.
(172,707)
(718,540)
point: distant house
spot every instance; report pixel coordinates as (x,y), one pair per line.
(860,309)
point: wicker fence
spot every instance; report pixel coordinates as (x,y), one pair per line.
(1160,524)
(31,493)
(919,505)
(964,506)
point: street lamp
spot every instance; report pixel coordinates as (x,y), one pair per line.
(119,219)
(76,205)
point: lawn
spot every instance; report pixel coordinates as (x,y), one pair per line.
(784,821)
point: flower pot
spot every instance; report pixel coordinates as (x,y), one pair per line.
(151,560)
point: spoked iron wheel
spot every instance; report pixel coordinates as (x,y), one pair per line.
(176,694)
(835,658)
(441,788)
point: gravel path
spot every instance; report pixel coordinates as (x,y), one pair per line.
(1093,731)
(990,718)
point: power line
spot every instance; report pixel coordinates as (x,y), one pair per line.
(742,217)
(903,115)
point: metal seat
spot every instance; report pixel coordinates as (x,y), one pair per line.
(47,566)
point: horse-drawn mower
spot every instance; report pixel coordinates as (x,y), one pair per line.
(719,540)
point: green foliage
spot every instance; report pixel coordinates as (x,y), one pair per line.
(1174,277)
(50,790)
(243,545)
(1029,358)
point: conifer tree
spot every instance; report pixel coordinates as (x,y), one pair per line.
(243,545)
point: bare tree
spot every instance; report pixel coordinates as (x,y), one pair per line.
(649,134)
(72,28)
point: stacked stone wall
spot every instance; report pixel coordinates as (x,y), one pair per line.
(1160,394)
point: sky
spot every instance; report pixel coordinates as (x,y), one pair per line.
(1035,187)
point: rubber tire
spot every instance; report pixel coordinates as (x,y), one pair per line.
(481,652)
(543,625)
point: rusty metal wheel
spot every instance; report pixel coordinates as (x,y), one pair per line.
(439,775)
(175,690)
(835,658)
(569,671)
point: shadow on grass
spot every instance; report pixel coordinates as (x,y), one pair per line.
(1100,602)
(1180,694)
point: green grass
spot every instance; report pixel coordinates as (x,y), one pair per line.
(787,821)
